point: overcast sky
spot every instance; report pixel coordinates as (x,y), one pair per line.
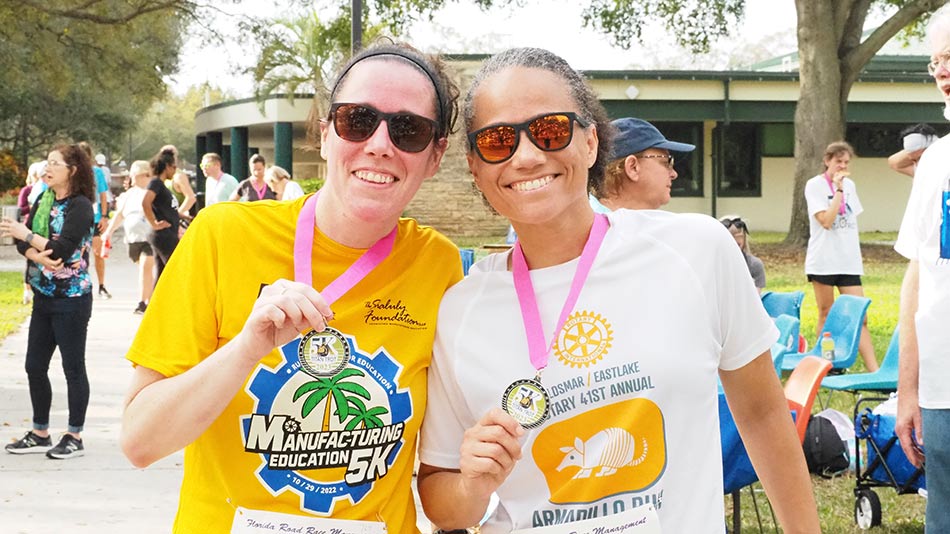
(462,27)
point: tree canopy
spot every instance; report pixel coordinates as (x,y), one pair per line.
(83,70)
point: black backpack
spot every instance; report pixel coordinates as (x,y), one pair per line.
(825,452)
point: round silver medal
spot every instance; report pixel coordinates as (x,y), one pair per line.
(527,401)
(323,353)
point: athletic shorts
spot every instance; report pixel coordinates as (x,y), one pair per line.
(836,280)
(137,249)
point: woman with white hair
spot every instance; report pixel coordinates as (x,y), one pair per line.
(278,179)
(131,215)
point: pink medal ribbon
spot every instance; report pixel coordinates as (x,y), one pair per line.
(261,192)
(324,354)
(842,208)
(303,250)
(527,400)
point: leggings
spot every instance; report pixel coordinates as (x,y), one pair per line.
(163,244)
(62,322)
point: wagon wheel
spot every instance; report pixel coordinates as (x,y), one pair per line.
(867,509)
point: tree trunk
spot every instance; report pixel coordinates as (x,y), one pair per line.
(819,115)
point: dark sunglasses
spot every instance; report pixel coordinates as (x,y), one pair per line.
(549,132)
(357,122)
(737,222)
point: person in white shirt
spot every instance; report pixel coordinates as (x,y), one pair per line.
(278,179)
(218,184)
(923,405)
(625,321)
(833,258)
(130,214)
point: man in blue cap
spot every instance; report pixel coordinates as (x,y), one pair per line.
(640,173)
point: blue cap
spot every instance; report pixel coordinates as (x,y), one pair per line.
(636,135)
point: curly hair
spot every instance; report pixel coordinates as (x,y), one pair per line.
(161,161)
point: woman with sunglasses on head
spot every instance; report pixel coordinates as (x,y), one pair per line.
(56,239)
(575,376)
(320,428)
(740,232)
(833,258)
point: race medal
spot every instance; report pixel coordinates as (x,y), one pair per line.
(527,402)
(323,354)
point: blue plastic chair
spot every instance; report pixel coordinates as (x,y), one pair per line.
(788,327)
(778,303)
(779,350)
(883,380)
(468,258)
(844,324)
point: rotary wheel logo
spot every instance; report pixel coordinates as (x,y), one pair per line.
(584,340)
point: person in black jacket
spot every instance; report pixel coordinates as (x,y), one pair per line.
(56,239)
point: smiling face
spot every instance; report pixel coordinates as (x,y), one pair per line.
(372,180)
(533,186)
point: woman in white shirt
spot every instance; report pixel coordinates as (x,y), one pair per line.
(278,179)
(833,258)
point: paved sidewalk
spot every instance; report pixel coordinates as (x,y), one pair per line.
(100,492)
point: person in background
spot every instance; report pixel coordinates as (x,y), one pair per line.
(579,310)
(218,184)
(740,232)
(833,258)
(34,178)
(101,220)
(640,173)
(923,400)
(39,184)
(916,139)
(278,179)
(254,187)
(180,187)
(230,311)
(160,209)
(56,240)
(131,215)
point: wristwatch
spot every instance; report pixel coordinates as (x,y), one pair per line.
(840,190)
(29,238)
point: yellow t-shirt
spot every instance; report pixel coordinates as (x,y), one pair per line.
(290,441)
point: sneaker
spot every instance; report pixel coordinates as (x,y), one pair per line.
(68,447)
(30,443)
(140,309)
(104,293)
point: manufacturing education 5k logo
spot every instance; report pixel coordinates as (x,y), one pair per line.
(324,436)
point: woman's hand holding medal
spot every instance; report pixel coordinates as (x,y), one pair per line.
(281,312)
(489,452)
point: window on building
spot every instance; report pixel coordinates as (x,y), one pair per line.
(689,166)
(778,140)
(741,171)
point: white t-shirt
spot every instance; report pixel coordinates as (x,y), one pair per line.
(634,370)
(836,250)
(134,223)
(292,190)
(919,239)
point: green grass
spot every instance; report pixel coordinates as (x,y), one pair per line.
(12,309)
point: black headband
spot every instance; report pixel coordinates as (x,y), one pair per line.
(398,53)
